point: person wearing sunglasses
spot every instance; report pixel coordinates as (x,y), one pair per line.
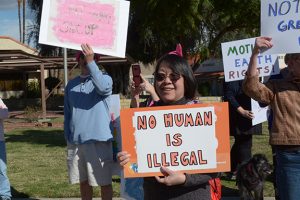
(174,84)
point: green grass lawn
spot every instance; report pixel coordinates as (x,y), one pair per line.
(37,164)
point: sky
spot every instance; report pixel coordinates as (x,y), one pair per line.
(9,22)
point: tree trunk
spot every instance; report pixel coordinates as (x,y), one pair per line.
(19,15)
(24,8)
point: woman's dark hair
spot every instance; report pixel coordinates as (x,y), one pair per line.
(180,66)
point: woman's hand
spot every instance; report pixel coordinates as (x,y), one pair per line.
(87,52)
(123,157)
(171,177)
(245,113)
(135,91)
(148,87)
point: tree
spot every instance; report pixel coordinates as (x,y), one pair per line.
(51,83)
(24,11)
(19,17)
(33,33)
(234,20)
(200,25)
(22,20)
(155,26)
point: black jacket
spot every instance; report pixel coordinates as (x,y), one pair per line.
(235,96)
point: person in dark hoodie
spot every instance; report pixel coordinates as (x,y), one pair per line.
(240,118)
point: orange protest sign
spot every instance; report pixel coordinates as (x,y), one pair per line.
(189,138)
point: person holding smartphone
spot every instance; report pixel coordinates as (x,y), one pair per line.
(174,84)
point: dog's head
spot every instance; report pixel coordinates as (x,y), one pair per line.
(261,165)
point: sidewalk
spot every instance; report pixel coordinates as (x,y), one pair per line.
(223,198)
(237,198)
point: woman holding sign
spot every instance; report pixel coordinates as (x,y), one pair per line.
(175,85)
(284,98)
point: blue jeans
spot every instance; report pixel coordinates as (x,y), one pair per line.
(288,174)
(5,193)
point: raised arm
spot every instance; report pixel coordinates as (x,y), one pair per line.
(251,85)
(102,81)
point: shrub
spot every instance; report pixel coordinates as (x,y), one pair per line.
(51,82)
(31,113)
(33,89)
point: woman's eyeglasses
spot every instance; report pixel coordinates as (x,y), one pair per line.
(162,77)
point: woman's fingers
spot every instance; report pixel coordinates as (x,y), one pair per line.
(143,78)
(123,157)
(171,177)
(160,180)
(124,162)
(166,171)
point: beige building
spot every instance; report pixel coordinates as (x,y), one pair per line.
(12,79)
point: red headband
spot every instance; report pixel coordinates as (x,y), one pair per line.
(178,51)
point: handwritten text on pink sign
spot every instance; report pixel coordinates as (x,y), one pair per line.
(80,21)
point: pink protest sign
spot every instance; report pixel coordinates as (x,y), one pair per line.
(101,23)
(96,26)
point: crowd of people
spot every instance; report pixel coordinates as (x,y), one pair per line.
(87,125)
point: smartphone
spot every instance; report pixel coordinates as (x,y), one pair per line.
(136,73)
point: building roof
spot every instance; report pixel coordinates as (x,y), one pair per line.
(210,65)
(8,43)
(15,56)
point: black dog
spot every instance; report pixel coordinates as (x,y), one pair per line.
(251,177)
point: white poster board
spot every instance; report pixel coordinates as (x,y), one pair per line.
(236,58)
(176,145)
(101,23)
(280,20)
(260,113)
